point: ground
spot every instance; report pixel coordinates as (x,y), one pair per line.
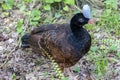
(27,65)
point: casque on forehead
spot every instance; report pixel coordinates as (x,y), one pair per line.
(86,11)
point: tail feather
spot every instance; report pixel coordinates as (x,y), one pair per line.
(24,39)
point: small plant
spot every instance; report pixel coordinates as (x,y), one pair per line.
(8,5)
(19,27)
(76,69)
(14,76)
(48,4)
(45,74)
(118,54)
(109,22)
(110,18)
(35,17)
(98,57)
(101,64)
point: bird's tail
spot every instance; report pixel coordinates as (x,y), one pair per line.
(25,39)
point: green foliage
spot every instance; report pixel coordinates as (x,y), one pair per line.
(5,14)
(47,7)
(66,78)
(8,5)
(57,0)
(14,77)
(110,18)
(49,1)
(98,54)
(76,69)
(118,54)
(57,69)
(19,26)
(70,2)
(109,21)
(90,26)
(27,1)
(101,66)
(48,4)
(98,57)
(45,74)
(111,42)
(52,78)
(57,15)
(35,17)
(111,4)
(113,48)
(10,2)
(94,48)
(66,8)
(22,7)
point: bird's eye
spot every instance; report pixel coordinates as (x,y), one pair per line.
(81,20)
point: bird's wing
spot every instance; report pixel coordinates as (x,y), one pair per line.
(52,38)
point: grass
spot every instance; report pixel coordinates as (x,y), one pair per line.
(54,11)
(109,25)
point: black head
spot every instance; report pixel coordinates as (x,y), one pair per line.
(79,20)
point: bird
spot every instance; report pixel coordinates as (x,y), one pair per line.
(66,43)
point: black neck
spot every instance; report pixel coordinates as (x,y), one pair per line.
(76,30)
(77,22)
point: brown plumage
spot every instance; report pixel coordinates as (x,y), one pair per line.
(57,40)
(66,43)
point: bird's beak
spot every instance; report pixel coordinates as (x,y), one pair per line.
(91,21)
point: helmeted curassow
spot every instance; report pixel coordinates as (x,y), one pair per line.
(66,43)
